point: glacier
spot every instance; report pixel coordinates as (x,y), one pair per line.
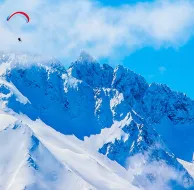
(91,126)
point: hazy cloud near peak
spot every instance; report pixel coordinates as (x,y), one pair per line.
(67,27)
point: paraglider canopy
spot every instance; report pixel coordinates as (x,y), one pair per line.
(25,15)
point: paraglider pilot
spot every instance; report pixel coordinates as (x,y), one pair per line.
(26,16)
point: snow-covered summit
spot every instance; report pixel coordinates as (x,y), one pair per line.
(86,116)
(84,58)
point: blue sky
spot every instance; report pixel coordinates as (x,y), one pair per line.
(121,2)
(172,66)
(154,38)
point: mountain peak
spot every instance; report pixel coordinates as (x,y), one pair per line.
(112,111)
(85,58)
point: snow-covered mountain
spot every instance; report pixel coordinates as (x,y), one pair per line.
(90,126)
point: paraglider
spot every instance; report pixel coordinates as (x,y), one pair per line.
(25,16)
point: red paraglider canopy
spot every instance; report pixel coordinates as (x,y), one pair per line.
(19,12)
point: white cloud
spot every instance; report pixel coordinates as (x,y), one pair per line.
(158,175)
(68,27)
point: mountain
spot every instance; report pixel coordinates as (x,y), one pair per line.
(90,126)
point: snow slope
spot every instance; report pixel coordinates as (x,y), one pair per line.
(90,127)
(37,157)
